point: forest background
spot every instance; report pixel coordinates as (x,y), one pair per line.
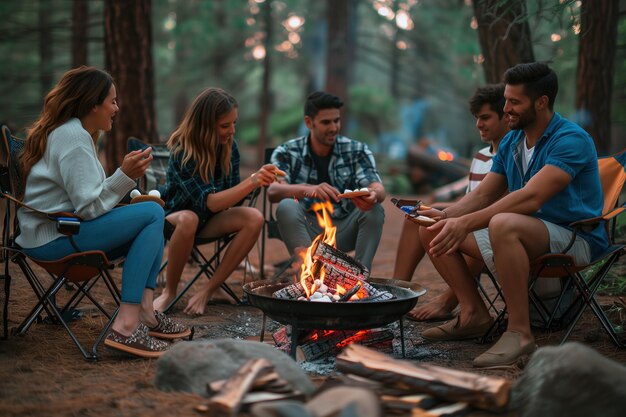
(405,68)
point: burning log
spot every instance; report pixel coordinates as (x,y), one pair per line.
(350,292)
(485,392)
(229,398)
(319,343)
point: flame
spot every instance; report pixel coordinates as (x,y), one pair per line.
(445,156)
(354,338)
(322,212)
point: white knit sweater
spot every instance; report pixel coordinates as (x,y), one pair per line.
(69,177)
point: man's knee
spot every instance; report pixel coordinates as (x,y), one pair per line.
(426,236)
(375,216)
(288,209)
(505,225)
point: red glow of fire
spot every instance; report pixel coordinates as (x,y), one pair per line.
(445,156)
(352,339)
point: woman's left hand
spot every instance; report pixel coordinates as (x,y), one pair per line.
(136,163)
(264,176)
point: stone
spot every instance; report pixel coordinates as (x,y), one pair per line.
(189,366)
(570,380)
(333,402)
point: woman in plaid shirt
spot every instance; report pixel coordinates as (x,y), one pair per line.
(203,191)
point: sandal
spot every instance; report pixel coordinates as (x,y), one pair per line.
(168,329)
(451,331)
(139,343)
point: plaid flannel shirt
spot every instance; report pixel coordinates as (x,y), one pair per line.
(185,190)
(351,166)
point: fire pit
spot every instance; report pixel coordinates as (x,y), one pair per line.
(306,315)
(332,291)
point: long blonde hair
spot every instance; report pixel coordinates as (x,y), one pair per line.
(197,135)
(76,94)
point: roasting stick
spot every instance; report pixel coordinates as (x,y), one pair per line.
(228,400)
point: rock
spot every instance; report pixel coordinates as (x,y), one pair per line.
(336,402)
(570,380)
(189,366)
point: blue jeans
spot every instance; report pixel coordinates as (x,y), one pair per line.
(134,231)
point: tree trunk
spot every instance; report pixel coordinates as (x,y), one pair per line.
(45,48)
(266,98)
(79,33)
(128,50)
(504,36)
(594,74)
(340,49)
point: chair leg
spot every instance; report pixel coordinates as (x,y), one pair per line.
(103,333)
(587,293)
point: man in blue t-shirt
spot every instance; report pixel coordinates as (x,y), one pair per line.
(548,165)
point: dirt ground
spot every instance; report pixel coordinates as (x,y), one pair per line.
(42,372)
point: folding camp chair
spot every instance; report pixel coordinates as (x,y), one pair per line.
(155,178)
(612,176)
(83,270)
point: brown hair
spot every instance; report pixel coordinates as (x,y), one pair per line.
(197,136)
(76,94)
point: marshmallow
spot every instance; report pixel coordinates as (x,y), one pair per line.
(134,193)
(155,193)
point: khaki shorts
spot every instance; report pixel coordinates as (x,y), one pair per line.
(559,238)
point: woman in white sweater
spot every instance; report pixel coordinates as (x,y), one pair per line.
(62,172)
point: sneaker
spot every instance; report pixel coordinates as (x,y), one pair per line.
(139,343)
(168,329)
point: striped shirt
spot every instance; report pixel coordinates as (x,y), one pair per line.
(351,166)
(185,190)
(481,165)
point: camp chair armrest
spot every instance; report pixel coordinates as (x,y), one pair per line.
(588,225)
(58,214)
(614,213)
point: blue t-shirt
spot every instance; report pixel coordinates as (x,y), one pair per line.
(567,146)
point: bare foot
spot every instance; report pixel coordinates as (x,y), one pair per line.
(441,308)
(220,296)
(162,301)
(197,304)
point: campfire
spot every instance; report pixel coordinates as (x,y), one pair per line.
(333,292)
(328,274)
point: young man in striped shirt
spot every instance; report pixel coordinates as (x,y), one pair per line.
(486,105)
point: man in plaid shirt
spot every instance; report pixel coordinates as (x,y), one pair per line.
(320,166)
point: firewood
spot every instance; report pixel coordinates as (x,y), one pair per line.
(450,410)
(486,392)
(408,402)
(228,400)
(258,397)
(259,384)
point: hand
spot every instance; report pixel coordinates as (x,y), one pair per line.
(136,163)
(452,232)
(264,176)
(433,213)
(324,192)
(367,202)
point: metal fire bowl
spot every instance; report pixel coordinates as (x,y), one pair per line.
(335,316)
